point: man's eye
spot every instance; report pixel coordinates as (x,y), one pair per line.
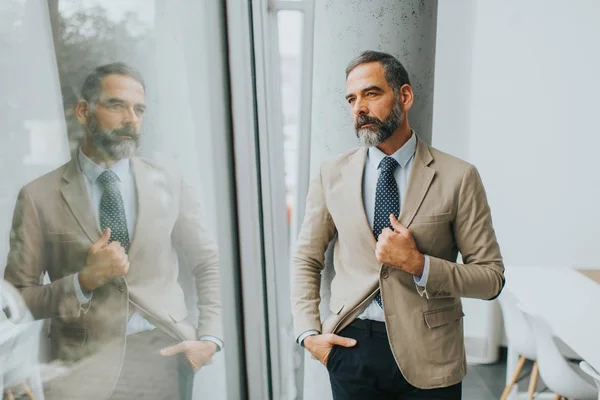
(116,106)
(350,101)
(371,94)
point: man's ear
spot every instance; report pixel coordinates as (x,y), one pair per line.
(82,112)
(407,97)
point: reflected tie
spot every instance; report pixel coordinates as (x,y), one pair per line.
(387,201)
(112,210)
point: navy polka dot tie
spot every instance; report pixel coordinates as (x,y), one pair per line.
(387,201)
(112,210)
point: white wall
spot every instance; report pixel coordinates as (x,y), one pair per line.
(516,93)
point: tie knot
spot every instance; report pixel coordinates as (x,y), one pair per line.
(388,164)
(108,179)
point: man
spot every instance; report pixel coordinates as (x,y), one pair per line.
(105,227)
(399,212)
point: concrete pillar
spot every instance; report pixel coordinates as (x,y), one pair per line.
(403,28)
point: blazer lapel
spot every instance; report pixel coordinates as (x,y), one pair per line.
(76,195)
(351,190)
(419,181)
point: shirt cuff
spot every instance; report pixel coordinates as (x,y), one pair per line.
(213,339)
(422,280)
(82,297)
(305,335)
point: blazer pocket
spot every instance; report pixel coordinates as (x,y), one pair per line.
(336,305)
(443,316)
(428,219)
(70,335)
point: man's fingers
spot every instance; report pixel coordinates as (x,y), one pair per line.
(114,246)
(103,241)
(398,227)
(171,351)
(342,341)
(386,231)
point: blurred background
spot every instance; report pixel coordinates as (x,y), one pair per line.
(246,98)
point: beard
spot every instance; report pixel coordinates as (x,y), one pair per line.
(380,131)
(113,142)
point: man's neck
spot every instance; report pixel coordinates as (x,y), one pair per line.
(396,141)
(98,156)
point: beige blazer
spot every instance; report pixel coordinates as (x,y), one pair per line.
(53,227)
(446,209)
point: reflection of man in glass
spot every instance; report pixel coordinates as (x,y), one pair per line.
(105,227)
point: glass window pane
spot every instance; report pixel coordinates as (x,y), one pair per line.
(134,311)
(290,62)
(290,31)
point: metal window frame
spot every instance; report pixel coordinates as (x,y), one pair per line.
(254,78)
(229,220)
(307,7)
(271,156)
(277,244)
(249,200)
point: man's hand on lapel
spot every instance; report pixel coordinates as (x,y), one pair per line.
(198,352)
(397,248)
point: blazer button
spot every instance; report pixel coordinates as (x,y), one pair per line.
(385,273)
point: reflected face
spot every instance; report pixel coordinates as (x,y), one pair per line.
(376,109)
(115,120)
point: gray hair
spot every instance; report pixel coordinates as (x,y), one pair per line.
(395,73)
(92,86)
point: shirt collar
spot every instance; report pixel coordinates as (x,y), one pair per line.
(402,155)
(92,171)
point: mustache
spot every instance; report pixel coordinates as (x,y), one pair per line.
(126,130)
(365,119)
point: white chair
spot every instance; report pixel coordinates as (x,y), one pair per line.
(520,340)
(19,343)
(587,368)
(557,373)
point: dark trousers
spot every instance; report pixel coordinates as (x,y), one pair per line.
(369,371)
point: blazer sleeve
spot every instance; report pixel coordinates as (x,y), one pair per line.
(193,240)
(482,274)
(315,234)
(26,266)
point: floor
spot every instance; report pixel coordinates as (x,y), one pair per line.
(487,382)
(484,382)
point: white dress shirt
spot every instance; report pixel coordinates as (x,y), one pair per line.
(404,156)
(137,323)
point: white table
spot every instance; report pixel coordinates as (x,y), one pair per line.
(567,299)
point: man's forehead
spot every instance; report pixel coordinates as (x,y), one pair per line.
(366,75)
(124,87)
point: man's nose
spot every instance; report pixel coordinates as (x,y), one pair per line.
(359,108)
(131,117)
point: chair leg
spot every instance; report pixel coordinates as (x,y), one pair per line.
(28,392)
(514,378)
(533,380)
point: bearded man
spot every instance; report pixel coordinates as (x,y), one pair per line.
(109,228)
(398,211)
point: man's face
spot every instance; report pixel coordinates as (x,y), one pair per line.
(115,120)
(376,109)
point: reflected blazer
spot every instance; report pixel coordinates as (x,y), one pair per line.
(53,227)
